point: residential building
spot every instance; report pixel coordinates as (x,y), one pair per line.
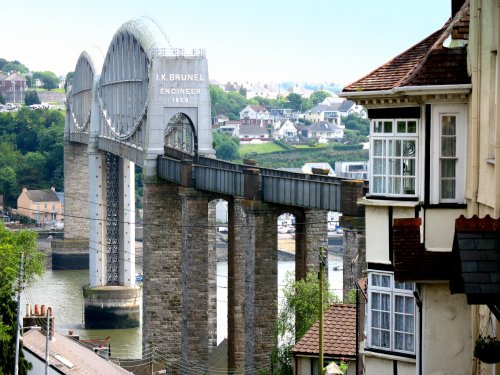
(352,169)
(255,133)
(43,206)
(339,341)
(231,128)
(285,129)
(325,131)
(255,115)
(13,87)
(419,105)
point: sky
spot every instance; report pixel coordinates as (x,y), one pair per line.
(335,41)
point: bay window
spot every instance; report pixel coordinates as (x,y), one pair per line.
(394,157)
(391,314)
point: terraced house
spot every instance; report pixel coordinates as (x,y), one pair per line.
(432,227)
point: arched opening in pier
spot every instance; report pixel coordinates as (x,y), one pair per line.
(221,253)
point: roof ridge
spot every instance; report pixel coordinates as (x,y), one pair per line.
(446,31)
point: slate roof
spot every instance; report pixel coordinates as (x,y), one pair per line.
(339,333)
(426,63)
(323,126)
(42,196)
(476,250)
(253,130)
(83,360)
(258,108)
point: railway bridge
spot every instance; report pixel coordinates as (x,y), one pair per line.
(146,103)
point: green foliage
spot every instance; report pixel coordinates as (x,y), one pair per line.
(31,97)
(2,99)
(12,244)
(299,311)
(49,80)
(296,102)
(226,147)
(356,122)
(350,297)
(227,103)
(317,97)
(2,63)
(354,136)
(69,80)
(31,145)
(15,66)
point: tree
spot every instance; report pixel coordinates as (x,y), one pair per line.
(31,97)
(69,80)
(15,66)
(49,79)
(12,244)
(8,184)
(354,121)
(299,311)
(2,99)
(295,101)
(318,96)
(225,146)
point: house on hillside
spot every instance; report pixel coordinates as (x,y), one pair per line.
(13,87)
(255,115)
(254,134)
(339,341)
(324,131)
(43,206)
(428,167)
(231,128)
(285,129)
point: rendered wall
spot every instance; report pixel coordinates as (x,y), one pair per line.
(439,229)
(446,332)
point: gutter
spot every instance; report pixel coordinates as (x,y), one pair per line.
(411,90)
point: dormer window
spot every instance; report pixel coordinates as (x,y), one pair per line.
(394,156)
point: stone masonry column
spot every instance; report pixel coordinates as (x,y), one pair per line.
(353,224)
(162,282)
(311,232)
(252,288)
(76,177)
(73,251)
(197,332)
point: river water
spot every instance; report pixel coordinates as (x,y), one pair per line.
(62,290)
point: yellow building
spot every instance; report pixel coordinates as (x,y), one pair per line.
(43,206)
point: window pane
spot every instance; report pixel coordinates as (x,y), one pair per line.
(375,280)
(399,304)
(399,322)
(412,126)
(409,167)
(448,126)
(409,323)
(386,302)
(377,127)
(409,185)
(377,147)
(409,148)
(376,337)
(397,167)
(409,305)
(385,339)
(386,320)
(386,281)
(399,341)
(401,126)
(448,167)
(387,126)
(378,184)
(409,345)
(376,319)
(376,301)
(377,165)
(396,148)
(448,189)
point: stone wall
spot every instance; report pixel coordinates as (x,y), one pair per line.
(76,186)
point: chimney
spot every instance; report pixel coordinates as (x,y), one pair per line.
(38,318)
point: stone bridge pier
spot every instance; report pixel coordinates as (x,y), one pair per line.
(179,304)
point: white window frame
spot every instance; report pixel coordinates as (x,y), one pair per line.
(386,137)
(392,291)
(460,113)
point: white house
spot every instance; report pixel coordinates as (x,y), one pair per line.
(255,115)
(285,129)
(325,131)
(418,133)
